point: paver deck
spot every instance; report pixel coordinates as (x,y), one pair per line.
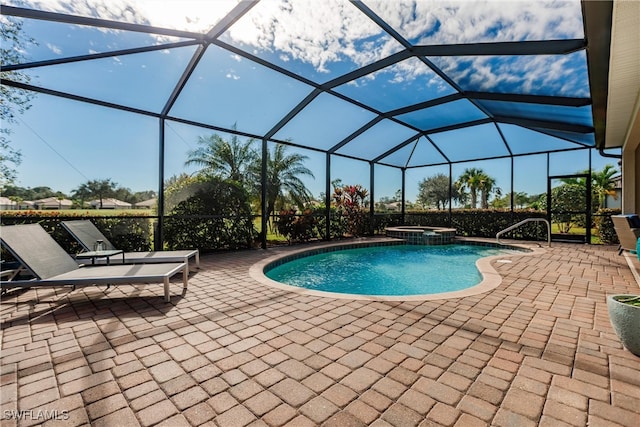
(536,350)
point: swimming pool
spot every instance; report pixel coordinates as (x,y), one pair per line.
(392,270)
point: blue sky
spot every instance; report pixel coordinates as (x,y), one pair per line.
(65,143)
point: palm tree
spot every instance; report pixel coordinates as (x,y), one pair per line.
(602,185)
(98,188)
(228,160)
(471,180)
(283,177)
(487,186)
(521,199)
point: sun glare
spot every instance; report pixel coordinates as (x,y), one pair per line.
(189,15)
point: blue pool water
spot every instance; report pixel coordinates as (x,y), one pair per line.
(401,270)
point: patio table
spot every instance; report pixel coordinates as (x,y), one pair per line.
(93,255)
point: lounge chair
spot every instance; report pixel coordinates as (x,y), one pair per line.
(51,266)
(628,230)
(87,234)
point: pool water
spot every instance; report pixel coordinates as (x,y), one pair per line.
(398,270)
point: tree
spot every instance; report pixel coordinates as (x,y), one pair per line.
(13,101)
(602,184)
(566,198)
(487,186)
(434,191)
(175,189)
(283,178)
(209,214)
(225,159)
(141,196)
(34,193)
(520,200)
(95,189)
(470,180)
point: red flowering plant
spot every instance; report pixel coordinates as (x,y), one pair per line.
(297,227)
(352,202)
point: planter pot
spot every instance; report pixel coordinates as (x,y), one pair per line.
(625,319)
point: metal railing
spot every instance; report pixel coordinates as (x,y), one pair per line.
(514,226)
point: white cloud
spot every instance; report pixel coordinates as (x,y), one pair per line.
(300,30)
(55,49)
(433,22)
(315,35)
(189,15)
(469,21)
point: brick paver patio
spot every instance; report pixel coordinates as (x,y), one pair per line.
(537,350)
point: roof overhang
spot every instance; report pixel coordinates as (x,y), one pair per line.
(623,104)
(597,30)
(612,29)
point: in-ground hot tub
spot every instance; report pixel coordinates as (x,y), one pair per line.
(419,235)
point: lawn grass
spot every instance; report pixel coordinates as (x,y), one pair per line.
(272,234)
(579,231)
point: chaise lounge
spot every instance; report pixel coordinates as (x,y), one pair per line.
(51,266)
(628,231)
(86,233)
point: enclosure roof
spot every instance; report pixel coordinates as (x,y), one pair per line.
(400,83)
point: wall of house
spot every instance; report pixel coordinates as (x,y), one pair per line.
(636,177)
(630,166)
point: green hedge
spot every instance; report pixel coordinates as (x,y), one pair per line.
(603,223)
(483,222)
(126,231)
(217,215)
(213,215)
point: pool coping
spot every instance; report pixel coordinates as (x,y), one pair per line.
(491,279)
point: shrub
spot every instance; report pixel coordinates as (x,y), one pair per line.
(125,230)
(351,201)
(603,222)
(215,215)
(484,222)
(294,227)
(128,234)
(337,223)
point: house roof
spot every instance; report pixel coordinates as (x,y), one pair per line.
(148,203)
(53,201)
(5,201)
(110,202)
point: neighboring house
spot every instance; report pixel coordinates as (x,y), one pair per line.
(393,206)
(110,203)
(7,204)
(27,204)
(147,204)
(615,202)
(52,203)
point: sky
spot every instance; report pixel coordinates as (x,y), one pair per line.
(65,143)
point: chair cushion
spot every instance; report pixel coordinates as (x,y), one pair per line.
(634,220)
